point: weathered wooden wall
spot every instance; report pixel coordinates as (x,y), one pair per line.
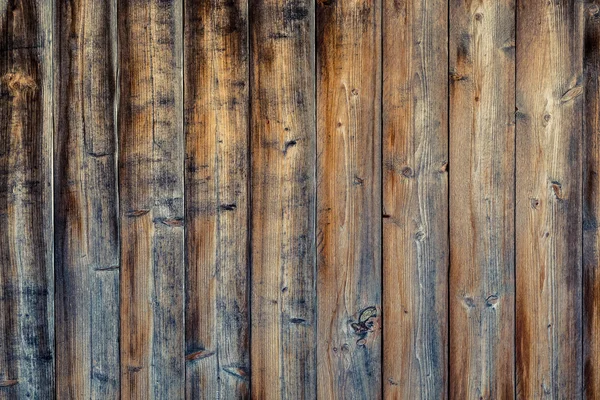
(334,199)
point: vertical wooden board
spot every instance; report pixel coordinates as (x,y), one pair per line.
(86,232)
(482,157)
(216,116)
(26,272)
(349,198)
(548,199)
(283,156)
(415,197)
(591,202)
(151,164)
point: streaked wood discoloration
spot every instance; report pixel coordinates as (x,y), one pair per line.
(548,199)
(216,115)
(349,199)
(151,165)
(482,160)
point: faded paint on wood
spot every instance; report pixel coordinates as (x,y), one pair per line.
(216,115)
(349,199)
(415,199)
(151,164)
(283,199)
(85,182)
(26,265)
(548,199)
(591,201)
(482,161)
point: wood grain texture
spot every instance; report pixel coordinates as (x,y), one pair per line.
(85,183)
(283,199)
(216,115)
(151,164)
(415,199)
(591,201)
(349,199)
(482,160)
(548,199)
(26,265)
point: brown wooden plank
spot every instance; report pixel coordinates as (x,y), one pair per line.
(26,271)
(548,199)
(216,115)
(283,199)
(482,157)
(349,198)
(85,183)
(415,198)
(591,202)
(151,164)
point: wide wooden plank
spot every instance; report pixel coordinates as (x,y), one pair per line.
(26,261)
(349,198)
(216,115)
(482,157)
(151,164)
(591,202)
(283,156)
(548,199)
(85,184)
(415,198)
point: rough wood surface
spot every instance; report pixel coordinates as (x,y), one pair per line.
(216,115)
(151,164)
(85,183)
(482,157)
(26,265)
(415,199)
(591,201)
(349,199)
(283,199)
(548,199)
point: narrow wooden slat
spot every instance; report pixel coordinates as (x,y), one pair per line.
(548,199)
(482,157)
(283,199)
(349,198)
(151,163)
(415,198)
(216,115)
(86,234)
(26,271)
(591,202)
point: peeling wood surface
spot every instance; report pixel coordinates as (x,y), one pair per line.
(359,199)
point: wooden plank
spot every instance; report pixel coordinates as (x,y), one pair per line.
(26,272)
(349,198)
(591,202)
(85,182)
(415,198)
(283,157)
(482,157)
(151,164)
(216,115)
(548,199)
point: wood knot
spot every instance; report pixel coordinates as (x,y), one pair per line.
(534,203)
(19,83)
